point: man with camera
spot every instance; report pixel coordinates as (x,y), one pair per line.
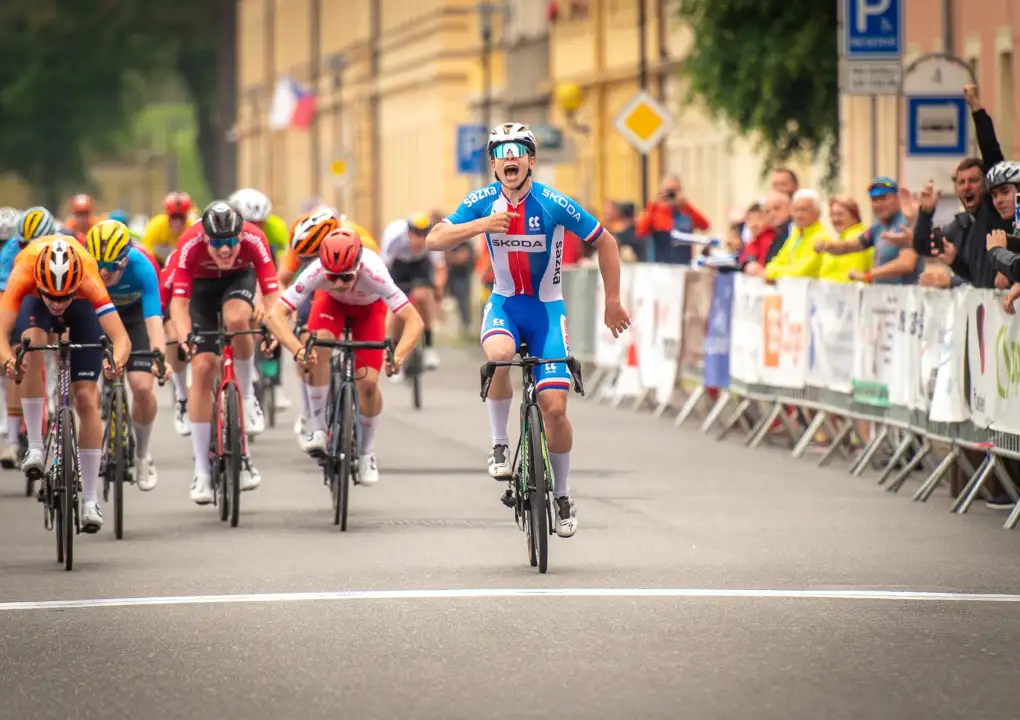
(668,212)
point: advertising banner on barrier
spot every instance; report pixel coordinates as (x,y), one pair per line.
(904,369)
(832,324)
(938,314)
(610,352)
(875,344)
(697,304)
(644,293)
(717,342)
(747,324)
(669,317)
(1004,346)
(983,324)
(948,400)
(784,342)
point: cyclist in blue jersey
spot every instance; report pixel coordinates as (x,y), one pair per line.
(133,285)
(523,222)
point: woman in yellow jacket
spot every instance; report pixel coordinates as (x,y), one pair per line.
(845,216)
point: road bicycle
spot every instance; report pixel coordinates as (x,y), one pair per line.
(229,444)
(414,368)
(339,463)
(60,488)
(118,460)
(531,482)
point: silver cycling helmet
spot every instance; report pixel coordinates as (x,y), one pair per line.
(1003,173)
(8,223)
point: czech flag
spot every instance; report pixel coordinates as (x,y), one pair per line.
(293,106)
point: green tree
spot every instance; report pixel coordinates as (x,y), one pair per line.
(770,68)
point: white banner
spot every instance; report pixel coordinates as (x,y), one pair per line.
(610,352)
(982,326)
(669,315)
(875,344)
(832,325)
(784,356)
(748,327)
(949,402)
(644,293)
(904,370)
(1002,352)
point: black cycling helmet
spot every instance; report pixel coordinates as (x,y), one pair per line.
(220,220)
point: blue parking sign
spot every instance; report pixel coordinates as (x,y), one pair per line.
(471,141)
(872,29)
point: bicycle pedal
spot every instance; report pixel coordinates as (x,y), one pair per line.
(508,499)
(7,464)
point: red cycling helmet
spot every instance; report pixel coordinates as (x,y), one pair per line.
(81,203)
(340,251)
(177,204)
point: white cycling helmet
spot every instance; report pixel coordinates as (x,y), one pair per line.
(1003,173)
(8,222)
(512,132)
(253,204)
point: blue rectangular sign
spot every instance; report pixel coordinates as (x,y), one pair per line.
(937,126)
(872,29)
(471,141)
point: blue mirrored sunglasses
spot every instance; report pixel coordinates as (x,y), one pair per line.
(509,150)
(112,267)
(229,242)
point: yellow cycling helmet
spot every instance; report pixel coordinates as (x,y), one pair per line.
(420,222)
(36,222)
(108,241)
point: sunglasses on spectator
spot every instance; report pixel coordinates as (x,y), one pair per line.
(509,150)
(345,277)
(219,243)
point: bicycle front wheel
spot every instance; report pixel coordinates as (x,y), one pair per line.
(346,445)
(118,414)
(538,489)
(69,486)
(233,453)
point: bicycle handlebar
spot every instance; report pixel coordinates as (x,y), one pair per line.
(488,370)
(314,341)
(26,346)
(160,362)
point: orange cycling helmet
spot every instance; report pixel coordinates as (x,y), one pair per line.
(309,231)
(340,251)
(81,203)
(177,204)
(59,270)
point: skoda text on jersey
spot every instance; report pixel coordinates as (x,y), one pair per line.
(528,258)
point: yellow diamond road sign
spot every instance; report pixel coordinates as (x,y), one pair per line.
(644,122)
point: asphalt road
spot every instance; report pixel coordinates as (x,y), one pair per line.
(784,591)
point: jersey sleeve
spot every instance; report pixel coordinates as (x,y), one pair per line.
(94,290)
(7,255)
(391,241)
(148,283)
(257,252)
(20,284)
(393,296)
(471,208)
(182,271)
(576,219)
(304,287)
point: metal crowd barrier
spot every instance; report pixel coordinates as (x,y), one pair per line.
(904,440)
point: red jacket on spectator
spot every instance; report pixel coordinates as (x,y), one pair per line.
(758,249)
(659,217)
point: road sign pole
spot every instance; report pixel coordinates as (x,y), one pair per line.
(874,136)
(643,80)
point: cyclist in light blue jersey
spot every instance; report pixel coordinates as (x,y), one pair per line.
(133,286)
(523,222)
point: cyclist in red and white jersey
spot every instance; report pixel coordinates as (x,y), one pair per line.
(215,274)
(348,282)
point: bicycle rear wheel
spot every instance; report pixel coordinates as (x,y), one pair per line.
(118,414)
(233,453)
(69,489)
(345,444)
(538,489)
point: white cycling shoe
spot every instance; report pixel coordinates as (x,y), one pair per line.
(33,462)
(201,489)
(314,443)
(566,516)
(430,358)
(368,470)
(91,517)
(254,420)
(181,423)
(145,473)
(251,478)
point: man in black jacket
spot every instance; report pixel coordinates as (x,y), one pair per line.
(969,181)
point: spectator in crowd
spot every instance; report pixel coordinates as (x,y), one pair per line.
(760,234)
(845,216)
(784,180)
(945,244)
(668,212)
(618,218)
(797,257)
(779,215)
(894,265)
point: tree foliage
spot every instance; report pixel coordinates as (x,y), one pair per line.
(70,73)
(769,67)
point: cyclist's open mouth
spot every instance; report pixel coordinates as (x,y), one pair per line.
(511,172)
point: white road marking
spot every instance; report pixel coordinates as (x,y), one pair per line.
(456,594)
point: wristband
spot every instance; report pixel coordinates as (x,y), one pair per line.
(867,277)
(296,352)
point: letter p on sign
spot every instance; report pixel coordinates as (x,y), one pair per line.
(868,8)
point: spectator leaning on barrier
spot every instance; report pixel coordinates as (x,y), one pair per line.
(797,257)
(668,212)
(894,265)
(946,244)
(783,181)
(760,234)
(845,216)
(778,214)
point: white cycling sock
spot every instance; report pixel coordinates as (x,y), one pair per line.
(560,463)
(200,434)
(33,410)
(305,404)
(142,435)
(89,460)
(317,395)
(13,428)
(245,370)
(367,434)
(181,383)
(499,416)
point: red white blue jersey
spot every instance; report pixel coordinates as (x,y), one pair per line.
(528,258)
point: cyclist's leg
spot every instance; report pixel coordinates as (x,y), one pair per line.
(423,295)
(302,420)
(500,338)
(37,321)
(143,397)
(326,318)
(180,380)
(369,326)
(238,306)
(86,369)
(11,456)
(206,298)
(546,332)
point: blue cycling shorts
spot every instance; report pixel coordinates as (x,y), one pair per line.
(542,325)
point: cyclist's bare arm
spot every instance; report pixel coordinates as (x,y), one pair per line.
(113,328)
(413,327)
(7,320)
(180,317)
(277,322)
(444,235)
